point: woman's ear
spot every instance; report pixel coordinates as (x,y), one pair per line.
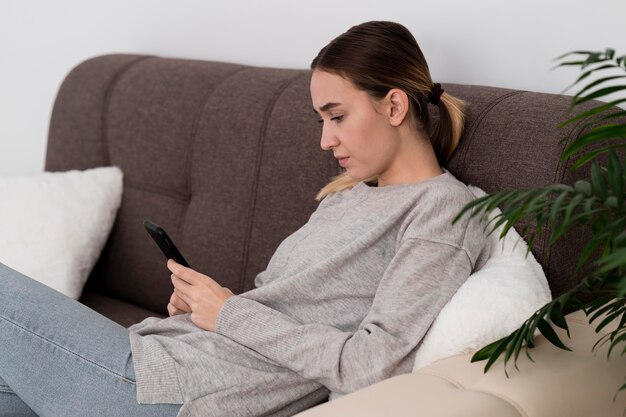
(398,106)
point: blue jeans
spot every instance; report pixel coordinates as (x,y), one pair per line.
(60,358)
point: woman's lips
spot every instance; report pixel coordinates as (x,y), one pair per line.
(343,160)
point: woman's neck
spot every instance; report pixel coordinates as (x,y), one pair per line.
(416,162)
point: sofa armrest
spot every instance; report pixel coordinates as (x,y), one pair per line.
(559,383)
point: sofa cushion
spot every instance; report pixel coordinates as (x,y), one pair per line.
(54,225)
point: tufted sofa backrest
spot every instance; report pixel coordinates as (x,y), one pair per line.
(226,158)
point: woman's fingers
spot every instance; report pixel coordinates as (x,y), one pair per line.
(183,288)
(186,274)
(179,303)
(190,276)
(173,311)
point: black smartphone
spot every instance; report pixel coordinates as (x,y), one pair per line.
(164,242)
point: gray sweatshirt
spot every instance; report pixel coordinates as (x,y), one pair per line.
(344,302)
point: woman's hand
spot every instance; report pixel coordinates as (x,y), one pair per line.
(197,294)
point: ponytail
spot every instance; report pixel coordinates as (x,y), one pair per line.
(446,135)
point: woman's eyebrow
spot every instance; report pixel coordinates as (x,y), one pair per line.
(327,107)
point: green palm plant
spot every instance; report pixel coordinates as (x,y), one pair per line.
(598,201)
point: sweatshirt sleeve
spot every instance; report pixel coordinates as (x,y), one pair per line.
(419,281)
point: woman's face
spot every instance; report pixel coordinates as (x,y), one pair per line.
(355,127)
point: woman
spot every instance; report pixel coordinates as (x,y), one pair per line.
(344,301)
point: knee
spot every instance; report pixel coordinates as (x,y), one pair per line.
(22,294)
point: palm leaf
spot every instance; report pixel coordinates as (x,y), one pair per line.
(615,260)
(572,53)
(595,154)
(599,133)
(589,72)
(593,111)
(597,83)
(594,120)
(550,334)
(621,338)
(611,306)
(597,94)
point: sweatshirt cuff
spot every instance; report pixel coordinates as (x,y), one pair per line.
(155,372)
(261,328)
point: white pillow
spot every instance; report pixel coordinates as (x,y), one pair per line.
(53,226)
(492,303)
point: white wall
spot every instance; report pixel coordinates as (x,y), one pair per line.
(488,42)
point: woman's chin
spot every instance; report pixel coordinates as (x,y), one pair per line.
(360,177)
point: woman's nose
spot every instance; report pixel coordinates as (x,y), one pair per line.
(328,139)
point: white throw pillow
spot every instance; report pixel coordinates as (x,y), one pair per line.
(492,303)
(53,225)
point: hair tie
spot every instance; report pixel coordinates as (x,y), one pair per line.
(435,93)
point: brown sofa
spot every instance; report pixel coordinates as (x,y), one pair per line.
(226,157)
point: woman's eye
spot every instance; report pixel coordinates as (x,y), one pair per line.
(336,119)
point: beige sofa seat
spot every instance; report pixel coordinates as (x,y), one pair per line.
(580,383)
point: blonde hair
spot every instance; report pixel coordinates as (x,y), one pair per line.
(376,57)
